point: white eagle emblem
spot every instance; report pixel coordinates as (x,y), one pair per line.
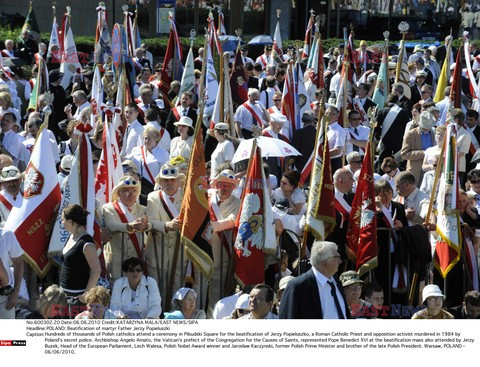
(366,215)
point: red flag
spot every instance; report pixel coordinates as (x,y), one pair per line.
(238,80)
(362,231)
(256,234)
(308,36)
(456,87)
(195,215)
(288,105)
(167,68)
(32,222)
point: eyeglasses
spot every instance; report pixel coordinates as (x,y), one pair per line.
(95,161)
(9,173)
(358,162)
(277,100)
(425,91)
(136,270)
(388,172)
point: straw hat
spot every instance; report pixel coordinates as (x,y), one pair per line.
(10,173)
(169,171)
(125,182)
(227,176)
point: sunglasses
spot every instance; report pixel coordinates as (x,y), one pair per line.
(277,100)
(473,182)
(388,172)
(95,162)
(130,182)
(9,173)
(136,270)
(356,162)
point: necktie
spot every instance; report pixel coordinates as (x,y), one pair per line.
(15,198)
(1,136)
(125,139)
(172,199)
(345,196)
(355,148)
(335,299)
(184,112)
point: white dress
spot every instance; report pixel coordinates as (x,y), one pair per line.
(223,152)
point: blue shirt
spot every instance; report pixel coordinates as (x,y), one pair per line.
(427,140)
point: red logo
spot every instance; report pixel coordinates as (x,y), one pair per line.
(33,182)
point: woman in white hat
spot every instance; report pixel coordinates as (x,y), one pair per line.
(185,300)
(182,145)
(224,151)
(433,298)
(125,219)
(163,209)
(148,159)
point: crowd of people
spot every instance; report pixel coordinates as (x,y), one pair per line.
(144,273)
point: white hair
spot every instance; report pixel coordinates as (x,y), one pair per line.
(321,251)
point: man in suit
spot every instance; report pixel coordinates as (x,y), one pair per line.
(362,103)
(474,132)
(343,182)
(184,109)
(415,143)
(470,309)
(402,101)
(304,140)
(163,208)
(391,123)
(316,294)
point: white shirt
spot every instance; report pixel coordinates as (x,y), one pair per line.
(79,110)
(223,152)
(363,134)
(266,97)
(13,144)
(244,117)
(9,249)
(165,139)
(155,160)
(133,137)
(336,137)
(329,310)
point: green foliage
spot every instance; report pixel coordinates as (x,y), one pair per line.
(158,46)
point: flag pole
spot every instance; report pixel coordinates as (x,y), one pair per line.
(315,149)
(438,170)
(171,278)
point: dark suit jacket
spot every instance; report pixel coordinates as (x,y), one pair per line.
(394,137)
(369,103)
(406,104)
(301,299)
(171,119)
(339,235)
(304,141)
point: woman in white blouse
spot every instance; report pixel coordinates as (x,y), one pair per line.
(182,145)
(224,151)
(150,157)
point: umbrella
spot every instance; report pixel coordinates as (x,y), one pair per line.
(261,40)
(229,43)
(270,148)
(13,61)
